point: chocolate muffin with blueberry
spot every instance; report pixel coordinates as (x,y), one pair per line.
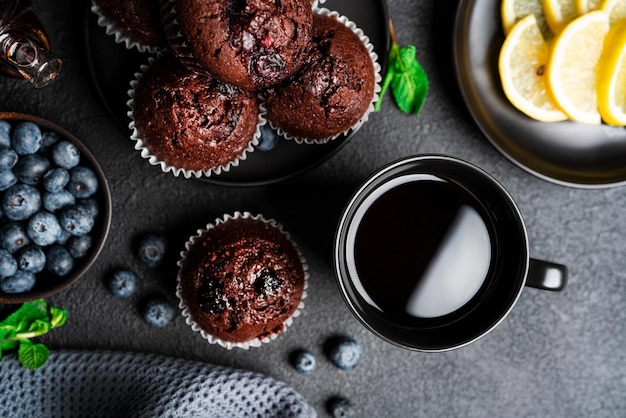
(241,280)
(334,91)
(190,123)
(248,43)
(137,23)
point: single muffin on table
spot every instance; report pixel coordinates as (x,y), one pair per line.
(241,281)
(247,43)
(136,23)
(336,88)
(190,123)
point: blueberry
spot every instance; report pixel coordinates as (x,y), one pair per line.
(58,260)
(78,246)
(267,282)
(7,179)
(303,361)
(76,219)
(26,138)
(13,237)
(20,202)
(269,138)
(83,182)
(123,283)
(20,282)
(339,408)
(8,263)
(31,259)
(65,154)
(48,139)
(269,66)
(158,312)
(91,204)
(55,201)
(8,158)
(43,228)
(151,250)
(64,237)
(5,133)
(56,179)
(30,169)
(344,352)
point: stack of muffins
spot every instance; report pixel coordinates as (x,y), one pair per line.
(223,69)
(309,72)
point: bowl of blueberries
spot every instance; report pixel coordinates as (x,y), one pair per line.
(55,208)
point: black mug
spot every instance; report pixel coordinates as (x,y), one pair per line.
(431,253)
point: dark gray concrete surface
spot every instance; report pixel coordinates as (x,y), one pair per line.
(555,355)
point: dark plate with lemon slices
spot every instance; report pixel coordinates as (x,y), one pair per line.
(567,153)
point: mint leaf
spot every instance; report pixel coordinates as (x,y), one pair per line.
(406,77)
(58,317)
(33,356)
(27,313)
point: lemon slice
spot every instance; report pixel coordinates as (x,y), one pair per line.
(573,66)
(521,63)
(559,13)
(511,11)
(586,6)
(612,77)
(616,10)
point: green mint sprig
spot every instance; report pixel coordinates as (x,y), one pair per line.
(405,76)
(31,320)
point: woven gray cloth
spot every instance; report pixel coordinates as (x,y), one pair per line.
(120,384)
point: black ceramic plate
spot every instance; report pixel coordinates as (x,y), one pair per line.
(113,67)
(567,153)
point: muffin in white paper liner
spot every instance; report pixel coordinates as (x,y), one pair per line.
(377,83)
(255,342)
(112,29)
(181,171)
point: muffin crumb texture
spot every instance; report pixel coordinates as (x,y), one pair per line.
(241,280)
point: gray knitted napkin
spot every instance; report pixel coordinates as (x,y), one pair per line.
(120,384)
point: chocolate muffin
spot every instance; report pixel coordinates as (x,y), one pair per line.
(190,123)
(241,279)
(248,43)
(332,92)
(135,22)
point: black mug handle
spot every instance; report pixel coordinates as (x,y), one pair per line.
(546,275)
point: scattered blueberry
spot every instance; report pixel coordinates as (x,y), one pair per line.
(78,246)
(30,169)
(158,312)
(58,260)
(55,201)
(151,249)
(5,133)
(269,138)
(7,179)
(20,282)
(31,259)
(123,283)
(303,361)
(26,138)
(65,154)
(13,237)
(344,352)
(56,179)
(83,182)
(43,228)
(76,219)
(339,408)
(8,263)
(20,202)
(8,158)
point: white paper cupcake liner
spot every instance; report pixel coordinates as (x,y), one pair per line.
(112,29)
(257,342)
(178,171)
(377,82)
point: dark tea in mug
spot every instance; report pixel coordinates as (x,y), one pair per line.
(431,253)
(423,246)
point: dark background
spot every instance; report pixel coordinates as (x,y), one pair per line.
(557,355)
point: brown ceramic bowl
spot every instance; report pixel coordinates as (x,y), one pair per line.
(47,283)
